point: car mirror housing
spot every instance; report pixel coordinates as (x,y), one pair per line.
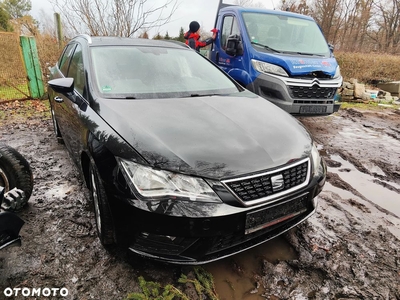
(234,45)
(62,85)
(65,86)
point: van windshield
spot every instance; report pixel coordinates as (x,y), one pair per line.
(285,34)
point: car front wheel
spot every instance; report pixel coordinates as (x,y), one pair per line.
(103,216)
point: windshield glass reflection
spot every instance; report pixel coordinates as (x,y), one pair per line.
(139,72)
(285,34)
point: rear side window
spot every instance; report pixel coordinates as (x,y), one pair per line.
(65,59)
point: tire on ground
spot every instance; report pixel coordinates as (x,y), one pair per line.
(103,216)
(15,171)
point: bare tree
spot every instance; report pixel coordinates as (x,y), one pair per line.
(389,24)
(243,2)
(327,15)
(249,3)
(46,23)
(291,5)
(356,22)
(114,17)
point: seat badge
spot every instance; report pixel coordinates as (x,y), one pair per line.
(277,182)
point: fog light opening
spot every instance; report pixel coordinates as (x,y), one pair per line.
(156,237)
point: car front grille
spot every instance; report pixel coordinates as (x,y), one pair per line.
(267,186)
(313,92)
(318,74)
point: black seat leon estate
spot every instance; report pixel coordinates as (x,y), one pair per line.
(182,163)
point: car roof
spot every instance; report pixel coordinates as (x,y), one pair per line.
(241,9)
(126,41)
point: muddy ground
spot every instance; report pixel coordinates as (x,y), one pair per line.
(349,249)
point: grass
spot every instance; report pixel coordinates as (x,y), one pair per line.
(202,282)
(371,105)
(20,91)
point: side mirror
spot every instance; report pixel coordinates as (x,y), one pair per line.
(331,47)
(63,86)
(234,45)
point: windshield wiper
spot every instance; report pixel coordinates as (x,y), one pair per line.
(305,53)
(203,95)
(266,47)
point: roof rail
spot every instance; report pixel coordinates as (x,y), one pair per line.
(177,43)
(85,36)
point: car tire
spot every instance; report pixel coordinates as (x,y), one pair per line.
(103,216)
(55,125)
(15,172)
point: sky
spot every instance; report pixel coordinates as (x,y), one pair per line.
(202,11)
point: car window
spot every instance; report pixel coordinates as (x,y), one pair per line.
(155,72)
(65,59)
(76,70)
(229,27)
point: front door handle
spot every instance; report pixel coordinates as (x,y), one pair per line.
(58,99)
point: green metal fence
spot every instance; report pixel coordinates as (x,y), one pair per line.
(20,73)
(32,66)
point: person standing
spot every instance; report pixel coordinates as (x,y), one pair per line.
(192,37)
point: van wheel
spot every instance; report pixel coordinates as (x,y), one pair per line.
(103,217)
(15,172)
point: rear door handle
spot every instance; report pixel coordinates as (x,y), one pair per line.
(58,99)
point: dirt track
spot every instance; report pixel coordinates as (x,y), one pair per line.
(350,249)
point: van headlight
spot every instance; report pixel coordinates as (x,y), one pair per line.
(267,68)
(337,73)
(150,184)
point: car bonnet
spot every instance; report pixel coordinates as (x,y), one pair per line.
(215,137)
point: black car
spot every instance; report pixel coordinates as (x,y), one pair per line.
(183,164)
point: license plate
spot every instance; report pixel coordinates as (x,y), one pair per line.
(313,109)
(270,216)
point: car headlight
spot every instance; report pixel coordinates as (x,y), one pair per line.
(150,184)
(316,159)
(266,68)
(337,73)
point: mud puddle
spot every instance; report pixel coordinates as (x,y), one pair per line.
(367,135)
(367,186)
(239,277)
(360,208)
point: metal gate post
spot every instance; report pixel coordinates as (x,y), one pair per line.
(32,66)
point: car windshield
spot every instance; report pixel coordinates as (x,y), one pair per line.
(285,34)
(145,72)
